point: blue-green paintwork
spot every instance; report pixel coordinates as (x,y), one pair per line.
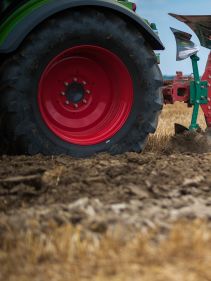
(198,93)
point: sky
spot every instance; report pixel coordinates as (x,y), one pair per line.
(157,11)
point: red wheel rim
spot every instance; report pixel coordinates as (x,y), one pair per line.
(85,95)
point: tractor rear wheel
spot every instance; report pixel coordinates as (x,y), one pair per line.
(83,82)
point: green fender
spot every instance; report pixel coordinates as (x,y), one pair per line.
(15,27)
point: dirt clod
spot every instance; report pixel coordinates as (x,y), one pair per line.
(189,142)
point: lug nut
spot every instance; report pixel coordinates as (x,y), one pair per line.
(75,105)
(66,84)
(84,101)
(67,102)
(63,93)
(75,79)
(88,91)
(84,82)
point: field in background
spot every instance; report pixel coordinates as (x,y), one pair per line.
(53,249)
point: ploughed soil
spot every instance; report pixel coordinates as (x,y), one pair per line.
(130,217)
(138,190)
(108,217)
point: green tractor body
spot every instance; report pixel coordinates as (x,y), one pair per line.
(18,18)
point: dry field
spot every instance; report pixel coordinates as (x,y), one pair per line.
(130,217)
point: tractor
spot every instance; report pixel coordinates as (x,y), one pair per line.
(79,77)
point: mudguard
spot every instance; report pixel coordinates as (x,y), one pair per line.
(23,20)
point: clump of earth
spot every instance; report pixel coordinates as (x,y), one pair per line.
(189,142)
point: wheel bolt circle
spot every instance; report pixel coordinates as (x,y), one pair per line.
(63,93)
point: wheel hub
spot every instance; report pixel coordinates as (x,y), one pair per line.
(75,92)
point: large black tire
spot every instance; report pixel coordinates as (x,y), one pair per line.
(23,129)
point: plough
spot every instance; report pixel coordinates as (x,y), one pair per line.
(193,90)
